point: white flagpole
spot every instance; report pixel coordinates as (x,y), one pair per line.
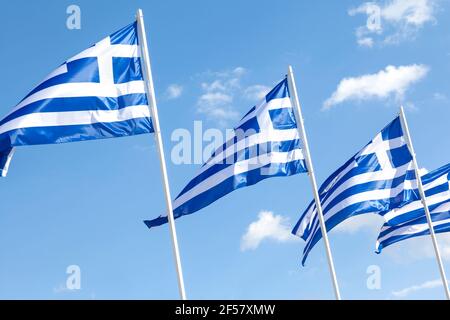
(424,202)
(302,131)
(155,120)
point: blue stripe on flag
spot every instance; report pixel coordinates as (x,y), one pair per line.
(441,227)
(71,133)
(382,205)
(283,146)
(78,71)
(79,104)
(249,127)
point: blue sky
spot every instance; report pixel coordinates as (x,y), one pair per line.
(83,203)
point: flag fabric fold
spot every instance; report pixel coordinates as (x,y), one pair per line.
(410,221)
(99,93)
(377,179)
(265,144)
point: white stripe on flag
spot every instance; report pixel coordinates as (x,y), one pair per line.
(247,142)
(49,119)
(411,229)
(431,200)
(370,176)
(85,89)
(372,195)
(116,50)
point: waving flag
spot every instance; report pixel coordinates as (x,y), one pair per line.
(410,221)
(99,93)
(265,144)
(377,179)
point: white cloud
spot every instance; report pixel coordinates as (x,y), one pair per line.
(366,42)
(216,85)
(268,226)
(411,12)
(409,290)
(392,81)
(370,222)
(220,90)
(217,105)
(256,92)
(214,99)
(216,102)
(395,20)
(228,74)
(174,91)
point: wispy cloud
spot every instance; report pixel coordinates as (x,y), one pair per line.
(393,21)
(256,92)
(216,102)
(210,99)
(365,42)
(419,287)
(390,82)
(267,226)
(217,105)
(440,96)
(419,248)
(220,90)
(174,91)
(369,222)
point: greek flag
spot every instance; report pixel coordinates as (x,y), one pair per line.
(265,144)
(377,179)
(99,93)
(410,221)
